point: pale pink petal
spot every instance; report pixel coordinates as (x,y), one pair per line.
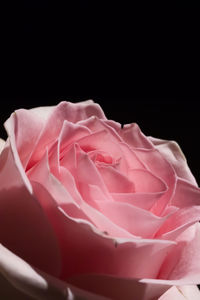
(53,159)
(186,194)
(85,249)
(190,292)
(172,152)
(133,136)
(24,228)
(145,201)
(95,124)
(72,112)
(41,173)
(70,133)
(186,292)
(104,141)
(24,127)
(183,263)
(180,219)
(135,220)
(67,196)
(158,165)
(2,144)
(87,173)
(146,182)
(115,181)
(173,294)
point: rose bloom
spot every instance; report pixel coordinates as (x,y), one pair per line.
(91,210)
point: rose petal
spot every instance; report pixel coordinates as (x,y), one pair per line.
(24,229)
(180,219)
(85,172)
(119,257)
(172,152)
(183,263)
(74,207)
(23,127)
(145,201)
(115,181)
(95,124)
(146,182)
(24,281)
(2,144)
(158,165)
(120,288)
(21,281)
(41,173)
(70,133)
(133,136)
(131,218)
(104,141)
(186,292)
(73,112)
(186,194)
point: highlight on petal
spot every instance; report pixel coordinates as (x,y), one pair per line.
(173,153)
(2,144)
(24,127)
(186,292)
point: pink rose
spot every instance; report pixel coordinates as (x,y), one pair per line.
(90,210)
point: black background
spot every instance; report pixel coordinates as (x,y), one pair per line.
(168,118)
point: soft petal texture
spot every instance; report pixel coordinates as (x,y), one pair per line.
(109,255)
(186,194)
(187,292)
(172,152)
(24,127)
(146,182)
(132,218)
(23,281)
(121,288)
(24,228)
(183,263)
(104,208)
(2,143)
(158,165)
(63,111)
(133,136)
(20,281)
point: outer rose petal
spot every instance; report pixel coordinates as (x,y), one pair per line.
(2,143)
(120,288)
(187,292)
(172,152)
(24,228)
(19,281)
(183,263)
(24,127)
